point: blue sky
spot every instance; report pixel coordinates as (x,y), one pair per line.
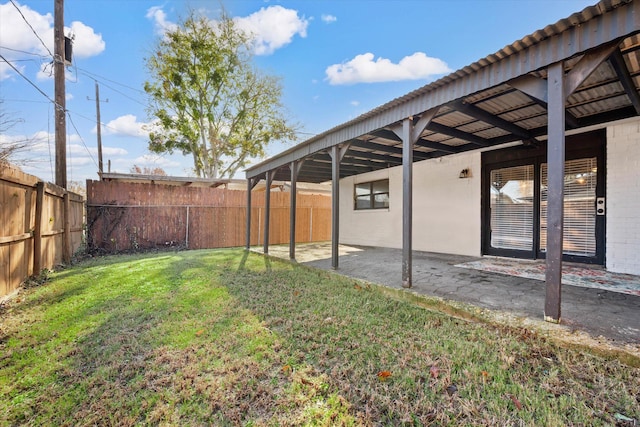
(337,59)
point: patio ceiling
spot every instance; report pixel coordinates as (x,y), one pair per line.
(497,100)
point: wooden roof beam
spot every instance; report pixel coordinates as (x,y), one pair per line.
(387,148)
(617,62)
(485,116)
(347,160)
(456,133)
(372,156)
(536,89)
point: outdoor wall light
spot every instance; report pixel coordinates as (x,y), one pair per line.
(465,173)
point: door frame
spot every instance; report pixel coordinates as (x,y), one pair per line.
(591,144)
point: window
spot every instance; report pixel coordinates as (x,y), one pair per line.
(512,208)
(371,195)
(580,180)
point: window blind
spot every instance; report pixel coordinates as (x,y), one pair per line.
(512,208)
(580,179)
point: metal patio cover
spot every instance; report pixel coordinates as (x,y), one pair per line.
(498,99)
(582,71)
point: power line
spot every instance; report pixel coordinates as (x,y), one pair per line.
(93,120)
(30,82)
(94,75)
(24,51)
(123,94)
(25,60)
(25,100)
(81,139)
(97,78)
(34,31)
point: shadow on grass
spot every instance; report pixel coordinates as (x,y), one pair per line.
(394,362)
(230,337)
(150,340)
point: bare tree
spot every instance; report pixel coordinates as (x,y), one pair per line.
(135,169)
(9,147)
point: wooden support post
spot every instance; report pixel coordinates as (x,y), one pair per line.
(410,133)
(336,153)
(99,131)
(186,233)
(267,208)
(407,202)
(292,209)
(555,191)
(335,206)
(37,230)
(66,236)
(248,215)
(59,89)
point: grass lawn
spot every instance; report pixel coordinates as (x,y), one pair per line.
(223,337)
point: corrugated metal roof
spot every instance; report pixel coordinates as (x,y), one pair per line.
(452,130)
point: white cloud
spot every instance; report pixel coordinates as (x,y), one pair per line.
(355,103)
(328,18)
(113,151)
(86,43)
(46,71)
(81,149)
(18,36)
(159,18)
(364,69)
(270,28)
(125,125)
(273,27)
(79,161)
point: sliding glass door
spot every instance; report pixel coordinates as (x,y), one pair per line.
(515,202)
(580,182)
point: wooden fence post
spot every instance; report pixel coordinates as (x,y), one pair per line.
(66,236)
(37,230)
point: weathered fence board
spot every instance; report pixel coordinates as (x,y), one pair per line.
(32,226)
(124,216)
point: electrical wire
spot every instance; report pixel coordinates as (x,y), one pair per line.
(34,31)
(100,79)
(24,51)
(94,75)
(25,100)
(93,120)
(30,82)
(81,139)
(123,94)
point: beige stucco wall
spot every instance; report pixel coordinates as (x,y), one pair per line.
(446,208)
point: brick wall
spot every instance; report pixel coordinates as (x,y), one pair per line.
(623,198)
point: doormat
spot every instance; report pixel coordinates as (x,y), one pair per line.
(574,276)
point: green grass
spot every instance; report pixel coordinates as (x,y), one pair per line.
(223,337)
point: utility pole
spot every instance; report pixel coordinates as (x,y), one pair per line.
(98,128)
(60,118)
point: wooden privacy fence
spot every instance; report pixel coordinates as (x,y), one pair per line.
(41,225)
(126,216)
